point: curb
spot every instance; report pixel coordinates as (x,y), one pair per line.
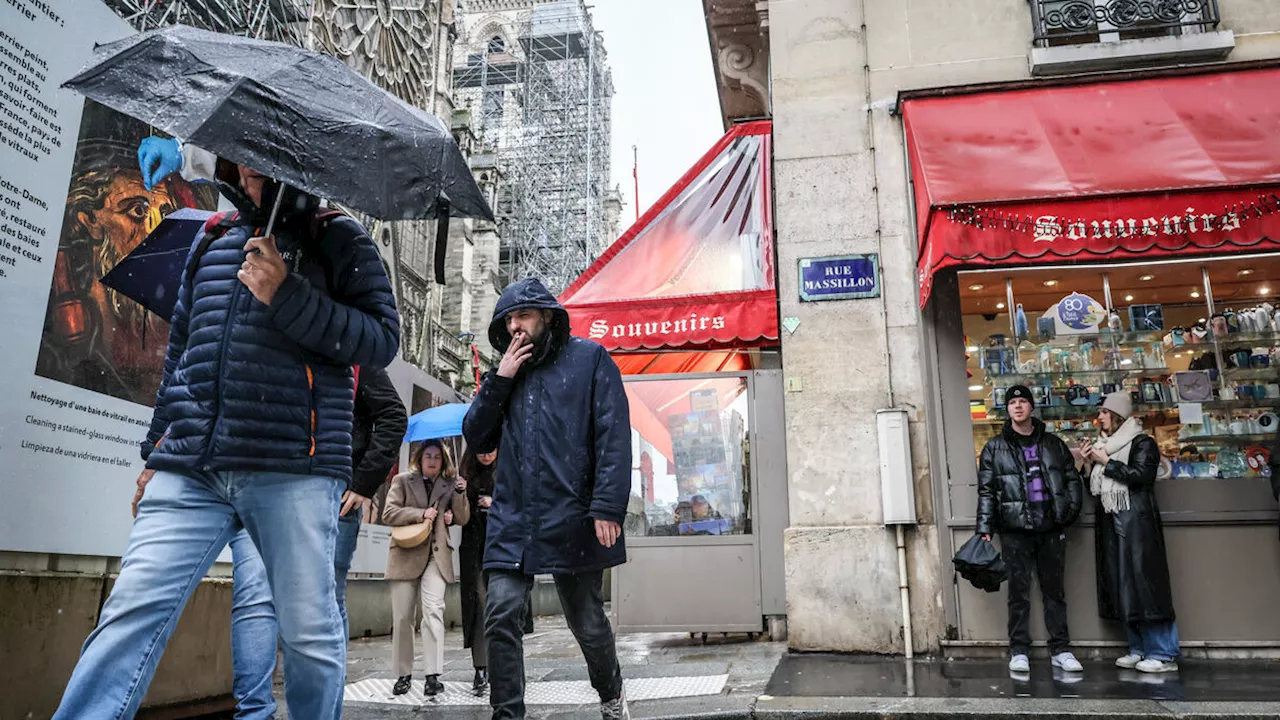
(766,707)
(853,708)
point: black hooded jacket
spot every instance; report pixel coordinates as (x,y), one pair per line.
(564,424)
(1002,481)
(378,425)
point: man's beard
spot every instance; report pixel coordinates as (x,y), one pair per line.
(126,311)
(541,348)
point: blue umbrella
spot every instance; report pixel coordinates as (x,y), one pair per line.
(438,422)
(152,272)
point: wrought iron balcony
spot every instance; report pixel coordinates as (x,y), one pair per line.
(456,352)
(1078,22)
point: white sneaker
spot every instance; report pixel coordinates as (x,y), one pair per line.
(1157,666)
(1067,662)
(1019,664)
(1128,662)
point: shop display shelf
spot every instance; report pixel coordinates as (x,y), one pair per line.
(1239,404)
(1085,377)
(1266,338)
(1085,412)
(1253,439)
(1107,338)
(1266,373)
(1215,477)
(1075,412)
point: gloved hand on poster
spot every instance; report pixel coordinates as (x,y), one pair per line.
(157,159)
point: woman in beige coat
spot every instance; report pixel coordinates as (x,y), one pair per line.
(431,492)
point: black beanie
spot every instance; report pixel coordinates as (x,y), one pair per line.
(1019,391)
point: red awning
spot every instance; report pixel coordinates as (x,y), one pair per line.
(696,272)
(1125,169)
(674,363)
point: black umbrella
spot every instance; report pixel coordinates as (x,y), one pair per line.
(980,563)
(301,117)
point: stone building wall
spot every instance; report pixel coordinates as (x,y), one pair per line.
(837,67)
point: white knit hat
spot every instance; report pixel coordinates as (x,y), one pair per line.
(1119,403)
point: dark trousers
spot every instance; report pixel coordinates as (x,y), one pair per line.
(583,603)
(1043,554)
(480,648)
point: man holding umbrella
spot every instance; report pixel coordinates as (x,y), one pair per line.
(378,429)
(252,429)
(253,421)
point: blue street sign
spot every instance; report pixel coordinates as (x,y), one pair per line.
(847,277)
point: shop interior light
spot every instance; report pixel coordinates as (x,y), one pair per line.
(972,348)
(1126,361)
(999,306)
(1195,293)
(1200,320)
(1264,290)
(1050,283)
(975,388)
(1247,271)
(976,286)
(1128,298)
(1145,278)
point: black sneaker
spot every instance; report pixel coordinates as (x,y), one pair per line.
(615,709)
(402,685)
(432,686)
(481,683)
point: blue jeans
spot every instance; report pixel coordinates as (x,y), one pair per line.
(253,619)
(1154,640)
(182,525)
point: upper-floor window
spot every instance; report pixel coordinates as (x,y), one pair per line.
(1079,22)
(497,45)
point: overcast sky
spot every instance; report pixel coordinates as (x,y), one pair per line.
(666,102)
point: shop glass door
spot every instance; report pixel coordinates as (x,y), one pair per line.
(692,557)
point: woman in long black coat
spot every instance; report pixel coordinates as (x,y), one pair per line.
(479,472)
(1133,570)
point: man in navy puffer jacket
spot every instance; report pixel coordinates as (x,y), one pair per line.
(559,408)
(252,429)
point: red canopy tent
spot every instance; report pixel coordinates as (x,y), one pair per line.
(691,285)
(1113,170)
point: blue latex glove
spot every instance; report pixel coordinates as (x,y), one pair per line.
(157,159)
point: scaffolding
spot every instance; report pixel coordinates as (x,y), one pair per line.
(280,20)
(544,105)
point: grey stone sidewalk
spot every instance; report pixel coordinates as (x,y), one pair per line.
(552,655)
(758,679)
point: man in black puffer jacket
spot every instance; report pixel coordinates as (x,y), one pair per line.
(560,496)
(1029,491)
(252,430)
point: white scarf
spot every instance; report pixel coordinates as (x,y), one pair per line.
(1114,494)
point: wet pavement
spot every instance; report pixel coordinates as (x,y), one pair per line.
(841,686)
(816,675)
(675,675)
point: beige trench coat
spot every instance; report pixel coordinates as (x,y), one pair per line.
(407,500)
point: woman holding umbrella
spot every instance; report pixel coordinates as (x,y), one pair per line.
(478,471)
(1133,571)
(431,492)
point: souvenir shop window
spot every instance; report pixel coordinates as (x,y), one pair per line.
(692,473)
(1195,343)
